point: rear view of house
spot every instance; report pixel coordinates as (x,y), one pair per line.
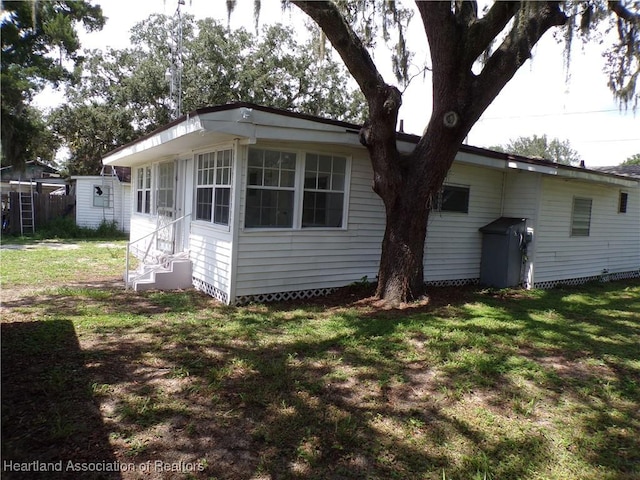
(267,204)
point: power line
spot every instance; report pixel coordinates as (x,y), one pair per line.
(611,141)
(559,114)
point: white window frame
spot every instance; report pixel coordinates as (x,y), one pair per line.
(220,178)
(266,187)
(299,190)
(146,190)
(328,191)
(580,218)
(102,199)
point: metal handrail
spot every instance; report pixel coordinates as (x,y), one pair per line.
(146,253)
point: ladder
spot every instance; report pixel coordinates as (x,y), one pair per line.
(27,211)
(108,189)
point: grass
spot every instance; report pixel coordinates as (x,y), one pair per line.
(476,384)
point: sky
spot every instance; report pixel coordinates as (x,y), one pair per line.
(539,100)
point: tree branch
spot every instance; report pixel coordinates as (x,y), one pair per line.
(348,45)
(483,31)
(466,11)
(514,51)
(623,12)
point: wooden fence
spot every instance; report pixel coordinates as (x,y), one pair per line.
(46,209)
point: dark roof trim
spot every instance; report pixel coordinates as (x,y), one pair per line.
(48,168)
(355,128)
(623,170)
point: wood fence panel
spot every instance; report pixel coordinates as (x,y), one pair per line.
(46,209)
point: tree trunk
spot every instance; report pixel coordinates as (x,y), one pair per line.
(401,272)
(408,201)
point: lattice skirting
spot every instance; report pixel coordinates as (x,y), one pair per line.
(282,296)
(605,277)
(316,292)
(453,283)
(209,289)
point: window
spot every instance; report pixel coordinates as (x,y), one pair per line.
(581,217)
(286,190)
(166,180)
(323,202)
(271,179)
(622,203)
(102,196)
(453,199)
(143,190)
(213,187)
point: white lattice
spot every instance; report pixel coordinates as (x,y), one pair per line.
(210,290)
(581,280)
(283,296)
(453,283)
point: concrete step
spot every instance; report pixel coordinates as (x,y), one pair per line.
(176,277)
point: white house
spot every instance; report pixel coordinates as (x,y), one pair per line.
(269,204)
(104,198)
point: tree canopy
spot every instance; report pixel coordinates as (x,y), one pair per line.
(556,150)
(123,94)
(632,160)
(39,44)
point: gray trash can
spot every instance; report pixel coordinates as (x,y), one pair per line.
(502,243)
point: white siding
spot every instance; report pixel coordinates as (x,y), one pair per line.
(454,244)
(210,252)
(141,226)
(613,243)
(522,191)
(89,216)
(127,206)
(290,260)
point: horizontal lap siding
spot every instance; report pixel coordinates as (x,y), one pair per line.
(454,244)
(521,195)
(141,226)
(126,207)
(522,200)
(613,243)
(210,252)
(89,216)
(270,262)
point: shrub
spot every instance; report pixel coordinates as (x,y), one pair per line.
(65,227)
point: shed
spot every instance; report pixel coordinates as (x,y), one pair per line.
(104,198)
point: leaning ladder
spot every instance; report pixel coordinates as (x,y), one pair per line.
(108,186)
(27,212)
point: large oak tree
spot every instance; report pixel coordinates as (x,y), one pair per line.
(473,56)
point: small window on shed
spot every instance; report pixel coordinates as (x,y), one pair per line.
(581,217)
(622,203)
(101,196)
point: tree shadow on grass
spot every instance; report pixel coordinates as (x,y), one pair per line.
(48,412)
(567,346)
(306,406)
(273,392)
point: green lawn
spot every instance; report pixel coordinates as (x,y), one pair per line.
(494,384)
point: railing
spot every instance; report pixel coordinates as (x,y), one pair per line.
(129,281)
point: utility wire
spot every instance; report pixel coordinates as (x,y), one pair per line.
(550,114)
